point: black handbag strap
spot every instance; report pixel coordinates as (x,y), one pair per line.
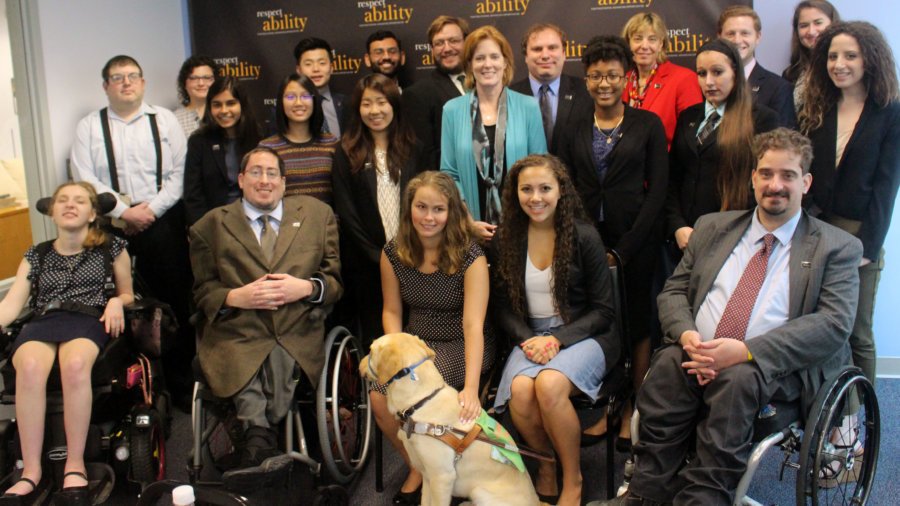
(111,157)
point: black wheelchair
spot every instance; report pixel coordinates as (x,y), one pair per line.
(338,410)
(828,471)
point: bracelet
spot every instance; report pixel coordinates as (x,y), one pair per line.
(749,356)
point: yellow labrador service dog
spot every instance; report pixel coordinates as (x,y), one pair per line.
(417,390)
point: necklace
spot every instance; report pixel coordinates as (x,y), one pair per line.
(613,133)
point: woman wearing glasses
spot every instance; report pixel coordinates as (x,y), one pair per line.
(194,80)
(619,164)
(307,152)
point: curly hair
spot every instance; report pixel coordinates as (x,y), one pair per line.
(186,68)
(457,234)
(607,48)
(512,235)
(879,72)
(800,54)
(96,236)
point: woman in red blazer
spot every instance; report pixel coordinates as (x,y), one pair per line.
(656,84)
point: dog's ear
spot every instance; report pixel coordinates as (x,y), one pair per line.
(390,358)
(364,367)
(427,349)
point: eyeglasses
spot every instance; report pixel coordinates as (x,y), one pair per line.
(120,78)
(257,173)
(598,78)
(292,97)
(453,41)
(204,79)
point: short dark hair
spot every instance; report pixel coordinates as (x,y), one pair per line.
(318,116)
(309,44)
(607,48)
(382,35)
(540,27)
(186,68)
(787,140)
(262,149)
(117,61)
(443,20)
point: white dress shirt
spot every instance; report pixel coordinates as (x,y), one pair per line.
(253,213)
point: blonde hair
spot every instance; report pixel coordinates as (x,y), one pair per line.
(477,37)
(656,23)
(95,236)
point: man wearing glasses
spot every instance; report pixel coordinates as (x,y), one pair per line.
(266,269)
(564,101)
(136,151)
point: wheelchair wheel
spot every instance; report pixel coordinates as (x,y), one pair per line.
(148,452)
(839,453)
(343,413)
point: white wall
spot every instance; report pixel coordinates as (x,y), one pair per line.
(79,37)
(773,53)
(10,145)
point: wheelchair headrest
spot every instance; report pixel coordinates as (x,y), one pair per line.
(107,202)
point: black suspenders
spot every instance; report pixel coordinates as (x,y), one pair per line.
(111,158)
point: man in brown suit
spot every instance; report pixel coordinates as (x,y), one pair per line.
(266,268)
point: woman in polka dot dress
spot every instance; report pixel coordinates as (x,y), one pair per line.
(73,271)
(434,268)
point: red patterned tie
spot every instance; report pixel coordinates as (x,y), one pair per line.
(736,316)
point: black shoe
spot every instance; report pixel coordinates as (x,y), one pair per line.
(260,444)
(73,496)
(37,489)
(548,499)
(591,439)
(413,498)
(623,444)
(272,472)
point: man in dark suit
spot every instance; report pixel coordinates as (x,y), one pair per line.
(265,271)
(313,57)
(423,102)
(760,308)
(741,25)
(564,99)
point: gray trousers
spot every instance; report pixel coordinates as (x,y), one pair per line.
(266,399)
(672,404)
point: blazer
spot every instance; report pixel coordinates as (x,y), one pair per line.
(674,89)
(591,307)
(225,254)
(824,286)
(772,91)
(863,187)
(206,184)
(524,136)
(693,169)
(633,191)
(356,203)
(574,107)
(423,103)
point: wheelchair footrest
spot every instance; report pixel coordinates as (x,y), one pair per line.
(273,472)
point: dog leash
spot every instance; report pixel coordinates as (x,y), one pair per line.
(445,433)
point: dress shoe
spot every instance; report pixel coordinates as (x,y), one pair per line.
(413,498)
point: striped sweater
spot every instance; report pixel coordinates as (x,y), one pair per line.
(307,165)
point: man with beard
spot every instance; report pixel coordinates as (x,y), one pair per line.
(385,55)
(423,102)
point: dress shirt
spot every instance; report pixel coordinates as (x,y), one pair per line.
(773,302)
(454,78)
(253,213)
(331,116)
(709,109)
(135,156)
(552,93)
(748,68)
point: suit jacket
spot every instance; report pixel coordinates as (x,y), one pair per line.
(824,287)
(863,187)
(574,107)
(341,108)
(673,89)
(590,306)
(524,136)
(206,184)
(772,91)
(693,169)
(633,190)
(423,103)
(225,254)
(356,203)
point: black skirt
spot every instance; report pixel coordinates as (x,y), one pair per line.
(60,327)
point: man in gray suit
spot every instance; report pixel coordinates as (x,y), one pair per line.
(761,307)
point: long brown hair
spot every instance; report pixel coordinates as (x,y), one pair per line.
(879,72)
(734,134)
(457,236)
(800,54)
(512,236)
(95,235)
(357,140)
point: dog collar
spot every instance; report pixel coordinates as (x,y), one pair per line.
(402,373)
(408,412)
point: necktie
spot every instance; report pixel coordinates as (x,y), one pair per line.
(708,128)
(267,237)
(462,82)
(736,316)
(546,112)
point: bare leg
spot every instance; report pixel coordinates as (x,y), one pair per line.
(526,416)
(553,389)
(33,361)
(389,427)
(76,359)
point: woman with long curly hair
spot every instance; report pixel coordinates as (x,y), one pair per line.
(555,302)
(811,18)
(435,269)
(854,125)
(195,77)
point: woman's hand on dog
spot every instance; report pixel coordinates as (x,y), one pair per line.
(540,349)
(471,406)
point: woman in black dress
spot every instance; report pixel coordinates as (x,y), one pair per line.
(72,269)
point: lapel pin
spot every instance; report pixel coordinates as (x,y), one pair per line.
(296,224)
(215,147)
(806,264)
(657,85)
(755,89)
(567,97)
